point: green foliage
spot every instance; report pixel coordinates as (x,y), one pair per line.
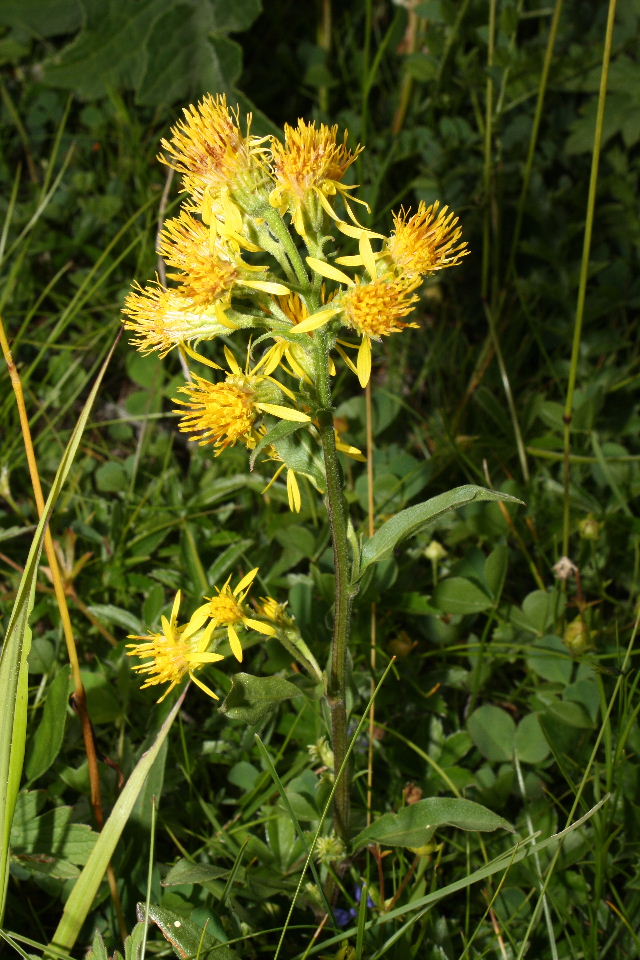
(189,40)
(485,682)
(415,825)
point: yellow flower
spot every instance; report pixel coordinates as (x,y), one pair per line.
(210,265)
(376,310)
(208,148)
(207,271)
(425,242)
(309,166)
(270,609)
(228,610)
(175,653)
(161,319)
(226,412)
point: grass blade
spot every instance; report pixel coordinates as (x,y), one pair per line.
(86,886)
(15,652)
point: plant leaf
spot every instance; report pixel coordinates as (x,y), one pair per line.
(15,651)
(187,939)
(413,826)
(86,886)
(251,699)
(409,521)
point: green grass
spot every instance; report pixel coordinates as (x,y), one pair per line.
(487,668)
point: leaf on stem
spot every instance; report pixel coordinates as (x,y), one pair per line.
(410,521)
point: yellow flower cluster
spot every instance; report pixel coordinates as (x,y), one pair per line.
(232,179)
(251,249)
(179,651)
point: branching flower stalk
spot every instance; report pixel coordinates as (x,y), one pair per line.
(258,246)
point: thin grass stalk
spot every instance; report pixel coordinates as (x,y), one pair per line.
(324,42)
(373,623)
(584,274)
(415,27)
(79,693)
(504,376)
(487,164)
(586,778)
(533,139)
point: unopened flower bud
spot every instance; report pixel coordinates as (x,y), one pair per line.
(435,551)
(329,849)
(576,637)
(589,528)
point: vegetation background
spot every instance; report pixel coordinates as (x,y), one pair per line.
(512,686)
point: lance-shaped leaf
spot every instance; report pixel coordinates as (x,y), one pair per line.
(86,886)
(413,826)
(409,521)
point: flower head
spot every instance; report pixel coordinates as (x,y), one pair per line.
(227,412)
(175,653)
(309,166)
(208,148)
(269,609)
(427,241)
(207,271)
(228,610)
(376,310)
(161,319)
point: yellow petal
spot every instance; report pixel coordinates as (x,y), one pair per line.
(246,581)
(347,359)
(316,320)
(203,687)
(293,492)
(232,363)
(196,621)
(350,451)
(356,232)
(271,359)
(274,478)
(198,356)
(267,286)
(234,640)
(325,203)
(327,270)
(175,607)
(366,252)
(285,413)
(222,318)
(205,657)
(265,628)
(364,362)
(353,260)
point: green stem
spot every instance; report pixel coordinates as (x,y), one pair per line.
(279,229)
(337,511)
(584,274)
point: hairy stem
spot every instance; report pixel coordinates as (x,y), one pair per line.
(337,511)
